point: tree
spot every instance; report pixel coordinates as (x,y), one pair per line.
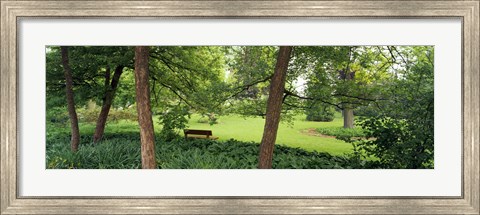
(90,66)
(250,70)
(185,79)
(144,112)
(401,135)
(274,107)
(347,112)
(106,58)
(345,77)
(110,88)
(75,140)
(319,112)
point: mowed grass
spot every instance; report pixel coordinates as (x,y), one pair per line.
(251,129)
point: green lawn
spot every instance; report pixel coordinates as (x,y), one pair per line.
(251,129)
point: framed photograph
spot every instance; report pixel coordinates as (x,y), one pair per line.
(377,110)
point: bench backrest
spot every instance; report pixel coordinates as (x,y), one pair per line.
(201,132)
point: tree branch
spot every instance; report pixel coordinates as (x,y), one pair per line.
(169,66)
(246,87)
(401,56)
(391,53)
(177,94)
(356,97)
(289,93)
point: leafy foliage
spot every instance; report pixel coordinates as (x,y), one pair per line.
(403,132)
(320,113)
(173,119)
(89,114)
(209,118)
(346,77)
(250,70)
(57,116)
(122,151)
(341,132)
(190,75)
(119,152)
(88,64)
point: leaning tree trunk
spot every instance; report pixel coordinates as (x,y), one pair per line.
(348,118)
(110,89)
(75,139)
(274,107)
(147,137)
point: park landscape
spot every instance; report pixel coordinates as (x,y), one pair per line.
(239,107)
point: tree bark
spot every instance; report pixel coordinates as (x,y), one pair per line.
(274,107)
(110,89)
(348,118)
(347,111)
(145,122)
(75,139)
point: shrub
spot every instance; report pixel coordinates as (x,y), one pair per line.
(203,120)
(320,113)
(366,111)
(173,119)
(90,114)
(341,132)
(402,134)
(209,118)
(57,116)
(398,143)
(116,115)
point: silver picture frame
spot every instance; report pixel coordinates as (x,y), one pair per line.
(468,203)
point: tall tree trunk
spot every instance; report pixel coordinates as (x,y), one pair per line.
(347,111)
(143,107)
(274,107)
(75,139)
(347,118)
(110,89)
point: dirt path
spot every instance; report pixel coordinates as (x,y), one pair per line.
(313,132)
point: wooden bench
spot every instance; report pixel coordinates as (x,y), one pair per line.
(201,134)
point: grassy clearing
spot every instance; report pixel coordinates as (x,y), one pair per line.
(248,130)
(296,147)
(251,129)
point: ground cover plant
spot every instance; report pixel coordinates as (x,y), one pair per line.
(121,151)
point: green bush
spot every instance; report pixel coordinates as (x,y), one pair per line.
(366,111)
(90,114)
(209,118)
(341,132)
(401,135)
(320,113)
(398,143)
(175,118)
(116,115)
(58,116)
